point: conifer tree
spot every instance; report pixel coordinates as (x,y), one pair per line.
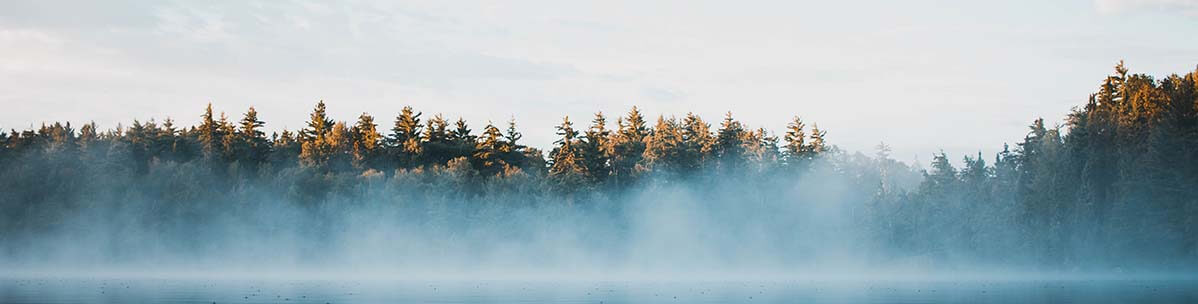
(405,138)
(663,148)
(796,147)
(461,142)
(596,149)
(366,141)
(319,124)
(487,151)
(511,152)
(208,133)
(566,166)
(698,144)
(316,148)
(628,147)
(729,147)
(254,145)
(438,146)
(817,145)
(228,140)
(512,137)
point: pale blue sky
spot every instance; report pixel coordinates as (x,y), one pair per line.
(962,76)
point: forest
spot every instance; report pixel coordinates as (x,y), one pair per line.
(1113,187)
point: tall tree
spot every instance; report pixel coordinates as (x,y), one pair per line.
(254,145)
(664,147)
(566,167)
(628,147)
(797,151)
(405,138)
(366,142)
(698,142)
(486,158)
(208,133)
(596,149)
(729,147)
(319,124)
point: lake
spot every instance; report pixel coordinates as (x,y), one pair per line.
(15,290)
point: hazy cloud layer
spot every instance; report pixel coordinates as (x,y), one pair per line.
(1188,7)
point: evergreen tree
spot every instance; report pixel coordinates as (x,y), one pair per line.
(319,124)
(628,147)
(698,144)
(317,149)
(566,167)
(461,142)
(486,158)
(729,147)
(596,149)
(664,147)
(254,146)
(439,146)
(797,151)
(405,138)
(366,142)
(817,145)
(208,133)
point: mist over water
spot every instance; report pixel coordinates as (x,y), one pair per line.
(724,226)
(746,225)
(1068,213)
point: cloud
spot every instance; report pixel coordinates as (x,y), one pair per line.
(1187,7)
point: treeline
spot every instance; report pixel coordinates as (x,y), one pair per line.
(1114,187)
(439,174)
(597,157)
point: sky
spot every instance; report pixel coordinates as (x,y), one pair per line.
(922,76)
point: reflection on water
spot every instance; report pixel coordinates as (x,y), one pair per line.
(96,290)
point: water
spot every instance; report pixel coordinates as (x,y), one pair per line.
(100,290)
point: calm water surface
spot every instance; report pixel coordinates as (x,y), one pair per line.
(99,290)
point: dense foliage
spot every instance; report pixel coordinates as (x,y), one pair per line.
(1116,186)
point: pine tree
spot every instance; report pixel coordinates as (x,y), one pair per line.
(209,134)
(761,149)
(663,148)
(405,138)
(319,124)
(512,138)
(254,145)
(438,147)
(461,142)
(698,144)
(729,148)
(228,140)
(817,145)
(486,158)
(628,147)
(596,149)
(566,167)
(797,151)
(511,151)
(366,142)
(316,148)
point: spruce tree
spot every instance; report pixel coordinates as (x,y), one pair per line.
(566,167)
(629,147)
(729,148)
(366,141)
(486,157)
(698,144)
(596,149)
(406,140)
(254,145)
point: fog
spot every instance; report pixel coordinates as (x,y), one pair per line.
(417,225)
(759,226)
